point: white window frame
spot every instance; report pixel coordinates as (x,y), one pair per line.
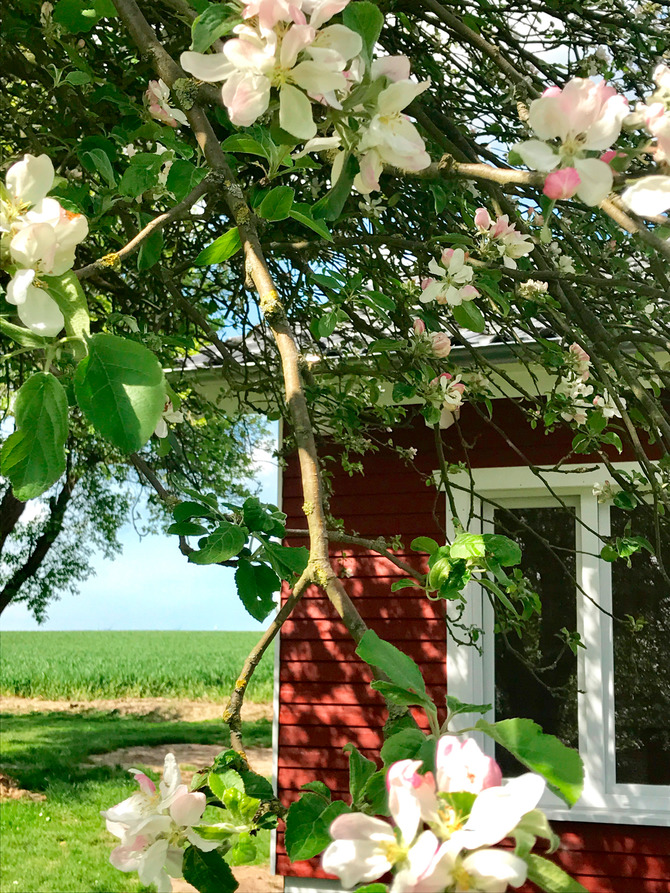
(470,677)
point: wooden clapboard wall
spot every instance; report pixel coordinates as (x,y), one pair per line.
(325,701)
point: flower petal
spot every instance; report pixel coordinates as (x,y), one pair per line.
(597,179)
(41,313)
(30,179)
(495,869)
(209,67)
(354,861)
(537,155)
(649,196)
(188,809)
(295,112)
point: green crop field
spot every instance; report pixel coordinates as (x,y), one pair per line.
(87,665)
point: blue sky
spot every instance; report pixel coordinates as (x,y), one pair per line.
(152,586)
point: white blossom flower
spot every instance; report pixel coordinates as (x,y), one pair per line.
(157,97)
(506,240)
(607,405)
(604,492)
(170,414)
(584,117)
(452,280)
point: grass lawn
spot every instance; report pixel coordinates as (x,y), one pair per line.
(60,845)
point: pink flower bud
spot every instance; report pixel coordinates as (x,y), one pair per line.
(461,766)
(145,783)
(419,326)
(562,184)
(441,344)
(447,254)
(459,386)
(482,219)
(501,227)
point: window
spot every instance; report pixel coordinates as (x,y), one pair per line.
(612,699)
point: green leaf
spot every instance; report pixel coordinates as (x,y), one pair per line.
(536,823)
(141,174)
(559,765)
(256,585)
(187,528)
(366,19)
(120,388)
(214,22)
(360,770)
(81,15)
(469,316)
(186,510)
(503,549)
(240,142)
(98,158)
(399,667)
(69,295)
(33,457)
(22,336)
(317,787)
(266,518)
(404,584)
(609,553)
(208,872)
(288,561)
(331,205)
(455,707)
(183,177)
(221,249)
(220,782)
(549,877)
(257,786)
(372,888)
(307,824)
(244,850)
(150,249)
(404,745)
(303,214)
(424,544)
(277,203)
(401,696)
(222,544)
(468,545)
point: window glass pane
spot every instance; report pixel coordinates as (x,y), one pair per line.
(545,691)
(642,659)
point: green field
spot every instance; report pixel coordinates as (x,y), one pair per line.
(87,665)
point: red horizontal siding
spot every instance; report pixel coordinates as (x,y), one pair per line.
(325,699)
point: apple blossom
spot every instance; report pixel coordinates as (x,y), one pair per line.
(255,61)
(648,196)
(155,825)
(580,361)
(461,766)
(503,237)
(35,307)
(607,405)
(170,414)
(585,117)
(452,280)
(390,138)
(157,96)
(604,492)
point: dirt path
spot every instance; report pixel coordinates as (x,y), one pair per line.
(189,756)
(162,708)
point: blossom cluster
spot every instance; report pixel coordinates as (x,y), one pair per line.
(438,344)
(38,238)
(155,825)
(157,97)
(449,392)
(575,128)
(502,237)
(451,282)
(445,826)
(282,46)
(577,392)
(573,125)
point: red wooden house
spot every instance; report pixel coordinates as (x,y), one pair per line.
(612,699)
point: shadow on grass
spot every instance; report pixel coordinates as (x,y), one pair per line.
(42,749)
